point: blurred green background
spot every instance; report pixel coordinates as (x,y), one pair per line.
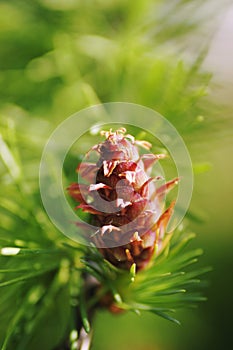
(57,57)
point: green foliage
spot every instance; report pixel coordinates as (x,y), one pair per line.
(56,58)
(84,54)
(168,284)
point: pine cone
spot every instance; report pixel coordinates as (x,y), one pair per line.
(123,200)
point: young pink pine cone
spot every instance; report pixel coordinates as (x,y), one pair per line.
(123,200)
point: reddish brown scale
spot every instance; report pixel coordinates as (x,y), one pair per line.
(124,200)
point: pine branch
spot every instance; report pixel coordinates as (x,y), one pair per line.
(127,50)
